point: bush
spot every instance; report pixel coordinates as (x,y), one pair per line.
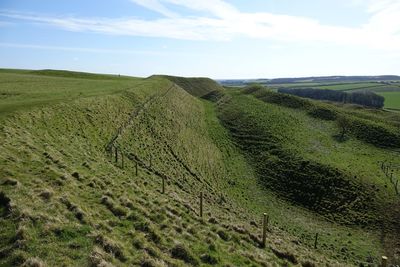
(375,133)
(323,113)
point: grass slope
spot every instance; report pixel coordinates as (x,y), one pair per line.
(23,91)
(200,87)
(65,200)
(296,155)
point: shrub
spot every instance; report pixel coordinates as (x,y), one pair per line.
(323,113)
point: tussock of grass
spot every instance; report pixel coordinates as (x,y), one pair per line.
(111,247)
(179,251)
(33,262)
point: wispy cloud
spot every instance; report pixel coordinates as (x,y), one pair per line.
(79,49)
(5,23)
(218,20)
(156,6)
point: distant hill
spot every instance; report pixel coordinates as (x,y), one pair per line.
(322,79)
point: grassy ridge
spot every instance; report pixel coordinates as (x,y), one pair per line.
(364,125)
(196,86)
(64,200)
(266,140)
(297,156)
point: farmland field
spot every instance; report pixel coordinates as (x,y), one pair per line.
(392,99)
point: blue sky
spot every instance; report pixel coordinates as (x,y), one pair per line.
(213,38)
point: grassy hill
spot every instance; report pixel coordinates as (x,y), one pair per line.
(200,87)
(82,170)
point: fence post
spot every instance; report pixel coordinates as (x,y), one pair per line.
(201,204)
(316,241)
(264,232)
(384,261)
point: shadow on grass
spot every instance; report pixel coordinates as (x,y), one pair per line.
(339,138)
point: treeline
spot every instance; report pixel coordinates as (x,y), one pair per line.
(364,98)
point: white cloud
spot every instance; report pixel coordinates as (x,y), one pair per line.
(79,49)
(218,20)
(155,6)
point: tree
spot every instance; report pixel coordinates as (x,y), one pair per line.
(343,124)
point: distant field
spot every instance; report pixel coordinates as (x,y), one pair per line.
(332,86)
(351,86)
(392,99)
(391,92)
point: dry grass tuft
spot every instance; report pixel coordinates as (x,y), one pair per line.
(33,262)
(96,259)
(111,247)
(114,208)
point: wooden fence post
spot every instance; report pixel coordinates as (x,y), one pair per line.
(201,204)
(316,241)
(384,261)
(264,232)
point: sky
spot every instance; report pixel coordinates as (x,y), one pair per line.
(220,39)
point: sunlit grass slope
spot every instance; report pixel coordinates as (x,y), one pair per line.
(65,200)
(296,153)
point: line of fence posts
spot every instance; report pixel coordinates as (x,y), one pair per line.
(384,168)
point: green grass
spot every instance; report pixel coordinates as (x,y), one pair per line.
(199,87)
(72,204)
(276,136)
(23,91)
(392,99)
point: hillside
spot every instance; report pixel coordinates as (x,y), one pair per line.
(200,87)
(84,161)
